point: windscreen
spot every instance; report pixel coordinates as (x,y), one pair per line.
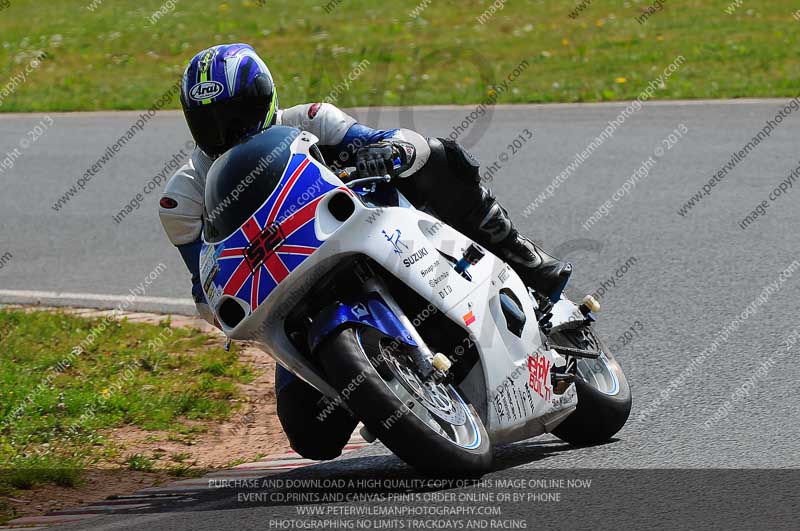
(242,178)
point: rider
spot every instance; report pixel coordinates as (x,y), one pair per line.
(227,94)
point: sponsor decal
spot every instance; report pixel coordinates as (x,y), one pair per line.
(209,267)
(360,311)
(313,110)
(209,258)
(562,401)
(415,257)
(168,202)
(428,270)
(512,403)
(503,275)
(539,370)
(264,245)
(206,90)
(433,282)
(469,318)
(213,294)
(209,278)
(394,239)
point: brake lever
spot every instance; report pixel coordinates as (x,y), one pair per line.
(367,180)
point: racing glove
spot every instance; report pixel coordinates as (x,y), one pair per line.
(388,157)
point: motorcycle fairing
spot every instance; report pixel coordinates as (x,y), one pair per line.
(273,242)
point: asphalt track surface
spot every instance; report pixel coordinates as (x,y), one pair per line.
(691,277)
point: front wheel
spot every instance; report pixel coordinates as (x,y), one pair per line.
(425,423)
(604,396)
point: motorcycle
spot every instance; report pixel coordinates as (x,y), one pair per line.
(433,343)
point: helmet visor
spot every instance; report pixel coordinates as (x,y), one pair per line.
(217,127)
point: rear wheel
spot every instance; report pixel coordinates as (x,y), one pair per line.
(604,397)
(426,423)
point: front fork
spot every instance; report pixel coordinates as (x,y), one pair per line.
(422,355)
(375,306)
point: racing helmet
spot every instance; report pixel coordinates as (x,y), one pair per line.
(227,94)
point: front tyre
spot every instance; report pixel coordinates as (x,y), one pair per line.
(604,399)
(428,425)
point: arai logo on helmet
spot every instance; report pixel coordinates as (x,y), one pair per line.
(206,90)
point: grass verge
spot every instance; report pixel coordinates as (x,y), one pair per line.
(125,55)
(63,384)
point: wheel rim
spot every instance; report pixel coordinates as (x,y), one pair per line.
(438,406)
(598,372)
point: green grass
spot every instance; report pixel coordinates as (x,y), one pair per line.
(140,463)
(150,376)
(114,58)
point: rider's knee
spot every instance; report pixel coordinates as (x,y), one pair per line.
(316,429)
(312,433)
(460,162)
(314,448)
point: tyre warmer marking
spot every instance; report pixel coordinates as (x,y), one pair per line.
(292,207)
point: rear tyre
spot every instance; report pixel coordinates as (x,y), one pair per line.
(604,400)
(429,426)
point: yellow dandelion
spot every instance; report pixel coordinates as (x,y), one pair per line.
(620,80)
(659,37)
(565,42)
(223,7)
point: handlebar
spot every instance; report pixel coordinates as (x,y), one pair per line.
(367,180)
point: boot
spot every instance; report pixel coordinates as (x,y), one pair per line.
(492,228)
(450,184)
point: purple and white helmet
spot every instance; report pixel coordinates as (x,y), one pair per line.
(227,94)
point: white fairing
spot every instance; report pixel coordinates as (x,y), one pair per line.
(407,243)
